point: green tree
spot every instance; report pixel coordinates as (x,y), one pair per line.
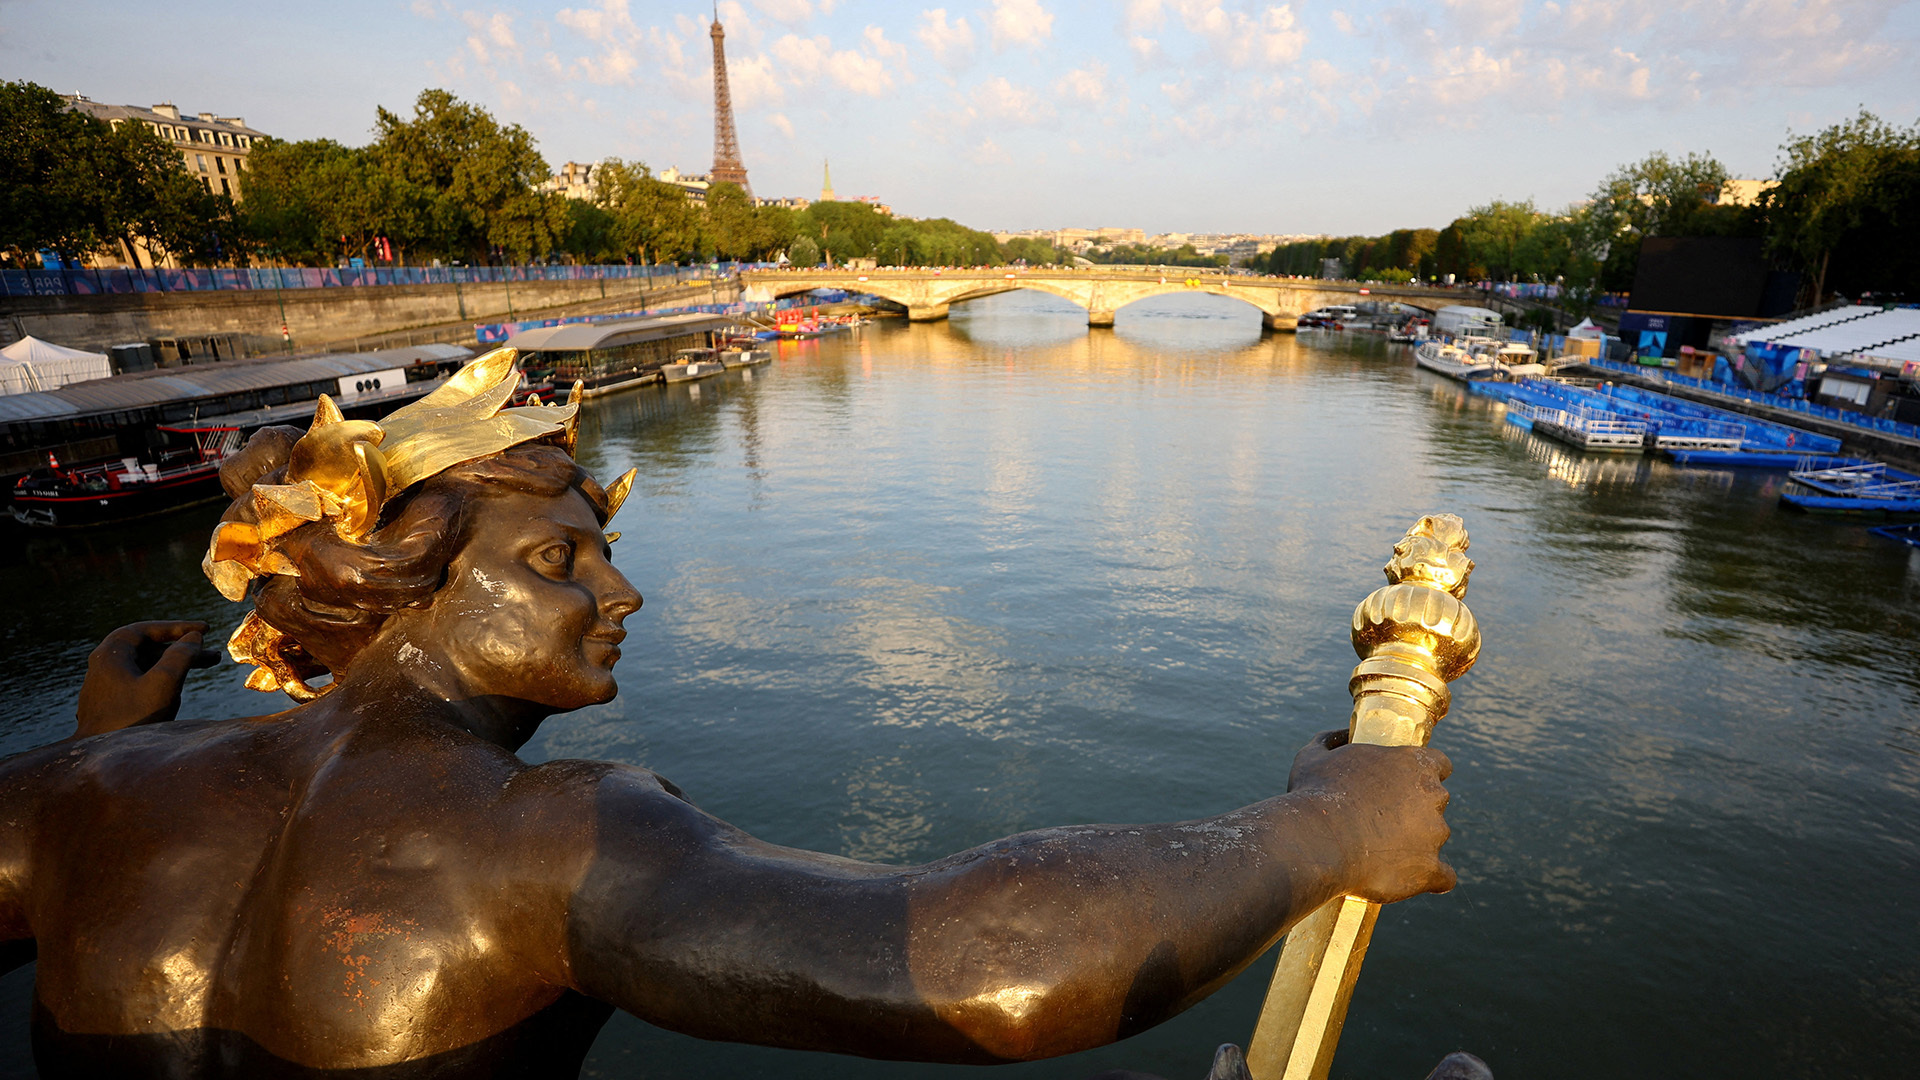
(1035,252)
(1847,206)
(591,235)
(316,201)
(734,230)
(482,176)
(1496,235)
(803,252)
(846,230)
(652,218)
(49,157)
(1413,249)
(1658,195)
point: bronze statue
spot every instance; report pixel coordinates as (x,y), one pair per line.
(371,883)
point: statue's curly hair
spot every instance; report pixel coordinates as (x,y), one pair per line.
(346,590)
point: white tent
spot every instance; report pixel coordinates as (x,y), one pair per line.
(29,365)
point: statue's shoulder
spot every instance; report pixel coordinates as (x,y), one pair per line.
(123,749)
(598,781)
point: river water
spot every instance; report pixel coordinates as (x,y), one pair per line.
(920,587)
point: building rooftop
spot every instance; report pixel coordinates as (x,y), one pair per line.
(164,113)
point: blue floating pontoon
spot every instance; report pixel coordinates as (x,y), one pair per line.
(1757,434)
(1762,459)
(1867,488)
(1852,505)
(1905,534)
(1693,433)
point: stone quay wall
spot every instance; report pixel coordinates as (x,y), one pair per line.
(314,317)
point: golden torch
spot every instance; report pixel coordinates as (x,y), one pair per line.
(1414,636)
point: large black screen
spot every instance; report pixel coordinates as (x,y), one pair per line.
(1700,275)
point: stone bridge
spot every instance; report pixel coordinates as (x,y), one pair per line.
(927,294)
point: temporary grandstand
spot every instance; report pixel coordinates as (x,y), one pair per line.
(1896,354)
(1855,331)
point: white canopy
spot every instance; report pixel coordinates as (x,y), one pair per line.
(1586,329)
(30,365)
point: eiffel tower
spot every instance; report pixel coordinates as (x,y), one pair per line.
(727,166)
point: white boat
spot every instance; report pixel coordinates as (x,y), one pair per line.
(1457,361)
(1518,361)
(691,370)
(745,357)
(1473,358)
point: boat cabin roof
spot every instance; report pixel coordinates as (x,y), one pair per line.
(581,337)
(159,386)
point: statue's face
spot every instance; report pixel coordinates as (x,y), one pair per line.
(532,607)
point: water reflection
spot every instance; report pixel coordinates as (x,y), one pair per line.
(917,587)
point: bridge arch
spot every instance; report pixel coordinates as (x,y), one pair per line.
(928,294)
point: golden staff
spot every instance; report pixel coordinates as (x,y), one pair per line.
(1414,636)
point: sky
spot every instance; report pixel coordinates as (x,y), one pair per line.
(1314,116)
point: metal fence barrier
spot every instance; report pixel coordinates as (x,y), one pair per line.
(123,280)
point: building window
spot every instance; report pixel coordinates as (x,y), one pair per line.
(245,142)
(224,189)
(207,183)
(220,163)
(226,139)
(201,159)
(206,136)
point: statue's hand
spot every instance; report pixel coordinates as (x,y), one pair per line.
(135,675)
(1386,804)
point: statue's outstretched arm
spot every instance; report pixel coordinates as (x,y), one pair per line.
(1040,944)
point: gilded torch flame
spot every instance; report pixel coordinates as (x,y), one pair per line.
(1414,635)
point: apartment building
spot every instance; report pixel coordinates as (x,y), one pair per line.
(214,148)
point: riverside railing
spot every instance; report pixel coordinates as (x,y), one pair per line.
(1773,401)
(122,280)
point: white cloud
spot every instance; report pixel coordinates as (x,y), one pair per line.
(875,40)
(1000,100)
(1019,22)
(988,152)
(752,81)
(860,73)
(1279,36)
(1342,22)
(802,59)
(781,123)
(790,12)
(807,60)
(1088,84)
(951,43)
(1144,14)
(491,34)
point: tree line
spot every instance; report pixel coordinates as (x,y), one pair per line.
(1844,213)
(74,184)
(446,182)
